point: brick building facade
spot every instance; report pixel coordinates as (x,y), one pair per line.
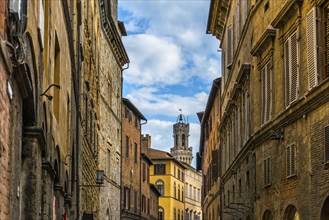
(274,108)
(132,163)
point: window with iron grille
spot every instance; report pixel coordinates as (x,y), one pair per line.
(267,172)
(291,160)
(291,69)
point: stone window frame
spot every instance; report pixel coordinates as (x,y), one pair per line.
(267,172)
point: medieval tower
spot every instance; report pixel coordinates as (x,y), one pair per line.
(181,150)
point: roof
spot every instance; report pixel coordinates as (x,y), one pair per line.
(200,115)
(155,189)
(162,155)
(133,108)
(145,157)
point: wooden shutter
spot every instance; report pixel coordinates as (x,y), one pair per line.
(229,43)
(312,48)
(244,11)
(268,91)
(264,104)
(286,72)
(293,159)
(326,143)
(237,23)
(288,161)
(294,68)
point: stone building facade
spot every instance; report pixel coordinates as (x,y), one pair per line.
(274,108)
(132,163)
(208,155)
(38,81)
(103,61)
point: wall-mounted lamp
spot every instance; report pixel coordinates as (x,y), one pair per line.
(99,179)
(49,96)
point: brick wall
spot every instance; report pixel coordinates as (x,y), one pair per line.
(4,137)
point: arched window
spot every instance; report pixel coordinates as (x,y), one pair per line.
(175,190)
(160,186)
(325,210)
(291,213)
(267,215)
(183,140)
(161,213)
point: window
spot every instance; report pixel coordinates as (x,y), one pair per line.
(143,203)
(325,12)
(237,23)
(194,192)
(291,69)
(186,189)
(326,143)
(291,160)
(175,190)
(267,172)
(179,174)
(144,171)
(178,214)
(126,198)
(160,186)
(247,180)
(148,206)
(136,122)
(229,45)
(108,163)
(178,192)
(159,169)
(183,176)
(191,191)
(148,174)
(182,193)
(199,195)
(135,149)
(117,174)
(246,115)
(183,140)
(161,213)
(174,214)
(127,146)
(135,201)
(240,189)
(266,76)
(174,171)
(57,79)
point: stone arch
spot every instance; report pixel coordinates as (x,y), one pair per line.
(160,186)
(325,210)
(267,215)
(291,213)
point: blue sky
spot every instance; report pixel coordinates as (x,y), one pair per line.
(172,64)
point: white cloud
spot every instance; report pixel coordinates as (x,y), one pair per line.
(150,101)
(153,60)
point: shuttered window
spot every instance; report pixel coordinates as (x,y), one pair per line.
(326,38)
(326,143)
(267,172)
(237,23)
(291,69)
(312,48)
(229,45)
(267,92)
(291,160)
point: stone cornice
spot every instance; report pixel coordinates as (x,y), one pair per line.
(217,17)
(112,35)
(36,132)
(263,42)
(286,12)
